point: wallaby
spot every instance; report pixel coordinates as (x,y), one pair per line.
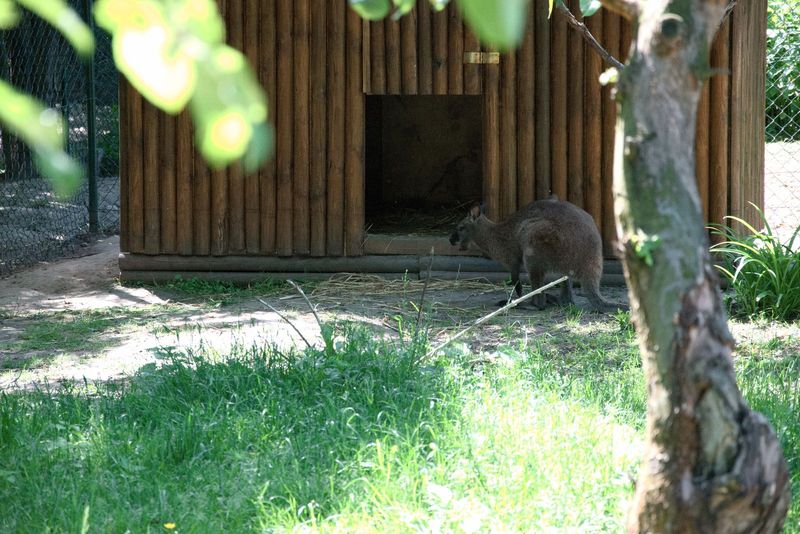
(546,236)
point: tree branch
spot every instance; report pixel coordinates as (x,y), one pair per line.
(588,37)
(627,8)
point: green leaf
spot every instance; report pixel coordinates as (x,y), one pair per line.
(590,7)
(9,14)
(65,20)
(498,23)
(439,5)
(42,129)
(403,7)
(371,9)
(147,52)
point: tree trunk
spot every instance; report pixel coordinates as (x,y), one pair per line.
(711,464)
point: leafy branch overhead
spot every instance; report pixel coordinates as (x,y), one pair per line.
(174,53)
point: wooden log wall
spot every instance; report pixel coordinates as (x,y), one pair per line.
(548,127)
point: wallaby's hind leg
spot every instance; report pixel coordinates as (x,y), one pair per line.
(537,281)
(566,293)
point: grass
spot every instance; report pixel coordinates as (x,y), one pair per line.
(541,434)
(763,272)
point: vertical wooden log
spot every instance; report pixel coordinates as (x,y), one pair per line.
(267,174)
(134,163)
(508,135)
(473,79)
(558,105)
(284,126)
(183,170)
(337,10)
(455,53)
(541,36)
(611,41)
(576,130)
(201,207)
(302,219)
(747,109)
(393,66)
(252,186)
(377,51)
(124,165)
(440,59)
(408,36)
(152,171)
(491,141)
(425,48)
(526,119)
(167,179)
(593,137)
(702,147)
(318,126)
(236,230)
(354,160)
(718,136)
(626,39)
(220,206)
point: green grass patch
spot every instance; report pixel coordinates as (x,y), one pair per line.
(222,293)
(543,436)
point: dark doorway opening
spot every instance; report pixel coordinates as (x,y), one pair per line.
(423,162)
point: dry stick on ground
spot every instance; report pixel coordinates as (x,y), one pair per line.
(326,338)
(282,316)
(485,318)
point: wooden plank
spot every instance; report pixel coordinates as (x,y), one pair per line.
(318,126)
(354,158)
(747,108)
(284,125)
(337,10)
(593,137)
(455,53)
(425,50)
(559,105)
(302,48)
(473,79)
(508,134)
(526,119)
(718,136)
(611,41)
(439,36)
(133,162)
(541,36)
(625,39)
(167,179)
(575,123)
(393,59)
(152,211)
(267,76)
(702,147)
(201,207)
(183,170)
(408,36)
(124,162)
(235,26)
(491,141)
(377,51)
(252,189)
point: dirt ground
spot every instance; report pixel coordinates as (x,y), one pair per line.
(168,321)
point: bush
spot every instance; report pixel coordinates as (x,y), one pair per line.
(783,71)
(763,272)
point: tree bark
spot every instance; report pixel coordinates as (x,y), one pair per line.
(711,463)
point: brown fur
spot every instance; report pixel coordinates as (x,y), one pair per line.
(546,236)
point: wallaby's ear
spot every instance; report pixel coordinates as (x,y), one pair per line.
(475,212)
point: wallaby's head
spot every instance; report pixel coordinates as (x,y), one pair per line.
(466,229)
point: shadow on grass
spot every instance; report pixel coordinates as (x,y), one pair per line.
(257,438)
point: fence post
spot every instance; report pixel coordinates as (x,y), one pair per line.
(91,127)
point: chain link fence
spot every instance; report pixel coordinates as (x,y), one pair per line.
(36,225)
(782,159)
